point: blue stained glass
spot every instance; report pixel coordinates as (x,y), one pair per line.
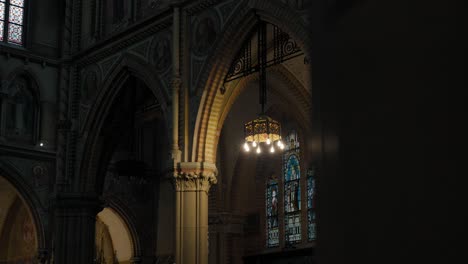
(293,171)
(311,225)
(310,192)
(1,30)
(292,189)
(272,200)
(2,12)
(272,214)
(293,228)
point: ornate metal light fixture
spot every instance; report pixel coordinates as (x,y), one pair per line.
(262,130)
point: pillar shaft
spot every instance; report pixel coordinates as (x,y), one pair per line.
(192,183)
(74,229)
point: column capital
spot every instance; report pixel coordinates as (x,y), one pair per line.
(194,176)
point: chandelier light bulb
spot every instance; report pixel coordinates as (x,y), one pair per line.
(259,150)
(272,149)
(279,143)
(268,141)
(246,147)
(254,144)
(281,146)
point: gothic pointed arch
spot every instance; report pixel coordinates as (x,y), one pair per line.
(26,196)
(207,127)
(129,66)
(19,107)
(114,239)
(128,218)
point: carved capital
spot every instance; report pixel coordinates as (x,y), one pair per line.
(194,176)
(176,83)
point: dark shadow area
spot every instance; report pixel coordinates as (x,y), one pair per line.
(387,85)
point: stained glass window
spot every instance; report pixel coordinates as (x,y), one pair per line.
(1,30)
(272,212)
(17,2)
(311,225)
(11,21)
(292,189)
(2,18)
(2,11)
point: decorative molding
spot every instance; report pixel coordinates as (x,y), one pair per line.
(120,41)
(26,152)
(140,49)
(41,175)
(200,6)
(194,176)
(205,29)
(197,66)
(160,52)
(227,9)
(107,65)
(23,54)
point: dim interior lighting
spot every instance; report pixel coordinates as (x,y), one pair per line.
(42,144)
(263,129)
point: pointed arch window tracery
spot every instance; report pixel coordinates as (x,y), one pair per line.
(293,224)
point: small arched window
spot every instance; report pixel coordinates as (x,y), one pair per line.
(12,21)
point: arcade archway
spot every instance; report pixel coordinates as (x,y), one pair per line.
(18,232)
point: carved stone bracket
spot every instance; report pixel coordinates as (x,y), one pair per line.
(194,176)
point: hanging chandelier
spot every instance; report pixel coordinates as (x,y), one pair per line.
(260,131)
(263,130)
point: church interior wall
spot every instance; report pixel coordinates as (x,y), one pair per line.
(43,27)
(101,57)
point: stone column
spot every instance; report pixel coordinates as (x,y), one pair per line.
(192,181)
(74,228)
